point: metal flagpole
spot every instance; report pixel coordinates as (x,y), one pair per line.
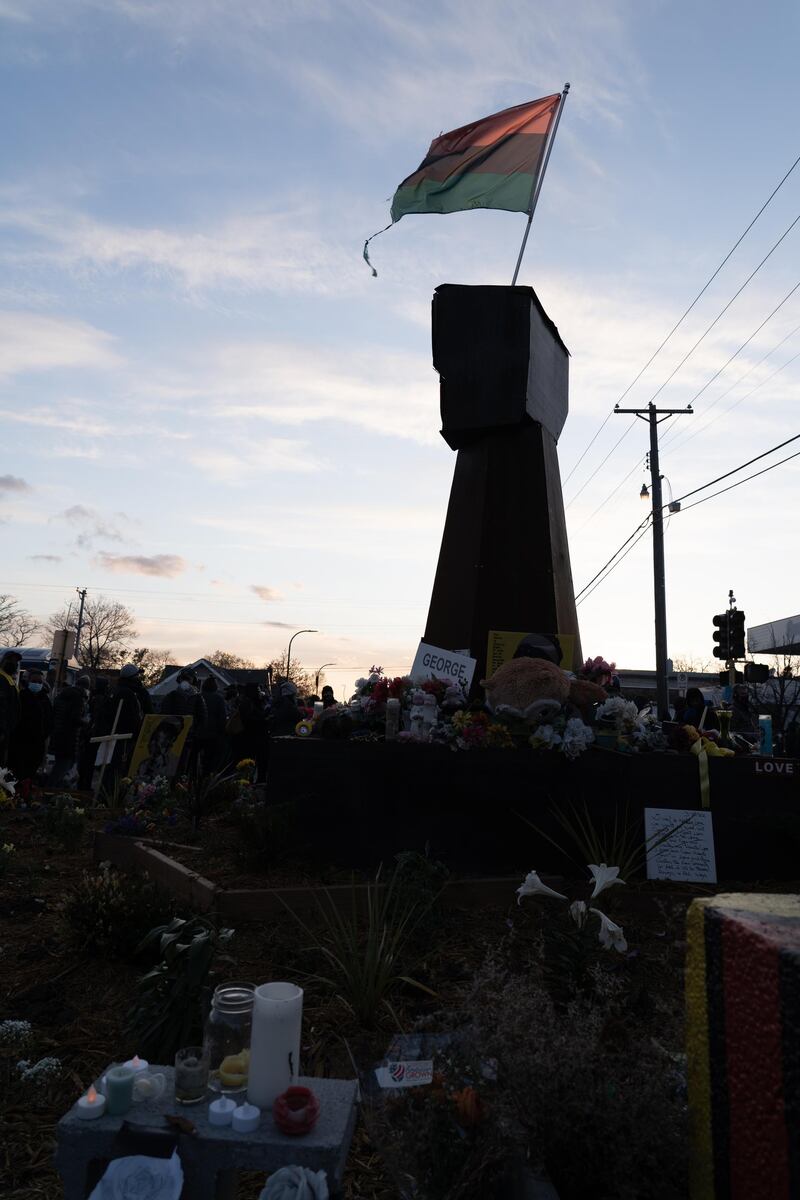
(537,182)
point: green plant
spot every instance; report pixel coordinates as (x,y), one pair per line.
(266,829)
(362,946)
(109,914)
(167,1012)
(7,852)
(419,879)
(619,841)
(65,821)
(197,793)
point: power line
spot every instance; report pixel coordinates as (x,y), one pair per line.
(726,412)
(614,555)
(603,463)
(746,479)
(721,314)
(616,564)
(735,471)
(681,319)
(587,591)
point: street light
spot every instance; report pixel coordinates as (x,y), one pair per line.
(319,672)
(289,651)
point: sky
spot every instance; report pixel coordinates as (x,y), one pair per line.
(212,412)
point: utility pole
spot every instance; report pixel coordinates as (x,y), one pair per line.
(654,416)
(82,593)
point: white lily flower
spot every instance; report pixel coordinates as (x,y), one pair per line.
(7,781)
(577,910)
(533,886)
(603,877)
(611,934)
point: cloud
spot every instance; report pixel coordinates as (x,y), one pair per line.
(91,525)
(248,457)
(165,565)
(51,558)
(287,250)
(265,593)
(13,483)
(278,624)
(33,342)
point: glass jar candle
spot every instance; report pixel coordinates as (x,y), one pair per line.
(227,1037)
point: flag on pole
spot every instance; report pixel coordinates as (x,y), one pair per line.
(491,163)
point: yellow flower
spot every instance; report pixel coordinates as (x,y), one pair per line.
(8,848)
(245,764)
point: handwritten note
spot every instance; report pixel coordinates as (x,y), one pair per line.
(688,853)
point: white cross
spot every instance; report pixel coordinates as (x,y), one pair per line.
(106,748)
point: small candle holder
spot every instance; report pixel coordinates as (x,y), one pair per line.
(92,1105)
(295,1112)
(191,1075)
(220,1112)
(245,1118)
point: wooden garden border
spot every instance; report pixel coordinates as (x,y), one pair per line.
(248,903)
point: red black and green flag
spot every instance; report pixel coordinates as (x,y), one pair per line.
(490,163)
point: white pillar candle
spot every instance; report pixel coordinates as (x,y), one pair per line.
(221,1111)
(245,1118)
(274,1042)
(91,1105)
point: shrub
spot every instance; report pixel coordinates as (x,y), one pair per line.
(109,913)
(65,821)
(167,1013)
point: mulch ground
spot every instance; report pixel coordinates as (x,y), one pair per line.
(78,1004)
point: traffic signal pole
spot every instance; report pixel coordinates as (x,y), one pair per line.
(654,416)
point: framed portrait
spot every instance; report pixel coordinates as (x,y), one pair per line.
(159,747)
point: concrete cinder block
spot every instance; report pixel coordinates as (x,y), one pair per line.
(743,1044)
(210,1154)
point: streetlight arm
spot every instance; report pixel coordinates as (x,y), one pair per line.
(289,650)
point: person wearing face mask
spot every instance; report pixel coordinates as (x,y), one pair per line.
(185,700)
(9,701)
(70,714)
(33,728)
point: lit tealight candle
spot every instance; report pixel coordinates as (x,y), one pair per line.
(137,1064)
(91,1105)
(221,1111)
(245,1118)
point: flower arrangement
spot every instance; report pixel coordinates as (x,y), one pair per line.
(597,670)
(618,713)
(477,731)
(566,735)
(377,688)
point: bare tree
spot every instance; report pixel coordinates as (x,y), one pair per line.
(151,663)
(16,625)
(107,633)
(690,663)
(226,660)
(303,680)
(779,697)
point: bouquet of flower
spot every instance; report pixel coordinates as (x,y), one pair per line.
(568,736)
(477,731)
(597,670)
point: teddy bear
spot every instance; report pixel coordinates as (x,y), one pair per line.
(533,687)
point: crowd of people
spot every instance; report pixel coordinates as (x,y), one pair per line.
(46,731)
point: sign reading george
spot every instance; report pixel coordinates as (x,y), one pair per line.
(431,662)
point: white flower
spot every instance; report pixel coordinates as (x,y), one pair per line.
(545,736)
(7,781)
(617,709)
(610,933)
(603,877)
(577,910)
(15,1033)
(533,886)
(577,736)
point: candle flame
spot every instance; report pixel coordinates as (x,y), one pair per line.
(91,1095)
(135,1061)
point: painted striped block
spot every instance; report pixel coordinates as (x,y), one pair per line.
(743,1044)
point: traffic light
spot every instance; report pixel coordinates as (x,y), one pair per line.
(736,633)
(756,672)
(725,678)
(722,637)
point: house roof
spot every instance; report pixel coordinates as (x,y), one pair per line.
(225,675)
